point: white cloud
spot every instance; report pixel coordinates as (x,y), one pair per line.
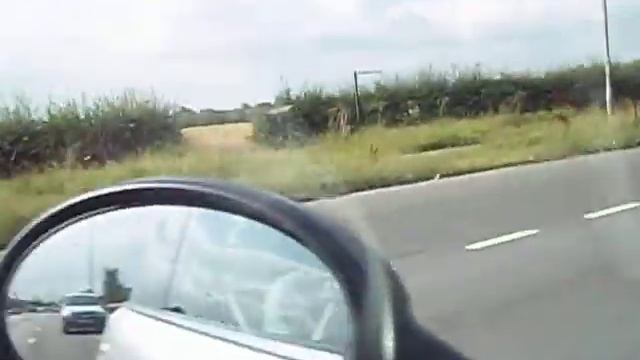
(469,19)
(221,53)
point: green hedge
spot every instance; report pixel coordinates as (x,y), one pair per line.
(308,115)
(186,118)
(431,95)
(74,134)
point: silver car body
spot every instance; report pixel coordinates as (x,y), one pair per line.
(137,333)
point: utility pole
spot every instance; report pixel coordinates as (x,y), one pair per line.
(92,255)
(357,89)
(356,95)
(607,64)
(176,258)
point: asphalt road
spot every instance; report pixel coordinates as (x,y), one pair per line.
(568,290)
(562,287)
(38,336)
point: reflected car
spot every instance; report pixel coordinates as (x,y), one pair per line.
(14,311)
(82,313)
(51,309)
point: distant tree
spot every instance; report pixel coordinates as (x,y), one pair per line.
(36,300)
(112,289)
(284,97)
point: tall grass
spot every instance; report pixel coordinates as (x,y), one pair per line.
(374,157)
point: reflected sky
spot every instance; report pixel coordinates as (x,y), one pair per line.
(212,264)
(143,244)
(139,242)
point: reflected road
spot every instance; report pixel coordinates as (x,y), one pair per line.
(39,336)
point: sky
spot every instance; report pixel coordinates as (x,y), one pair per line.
(215,254)
(144,242)
(221,53)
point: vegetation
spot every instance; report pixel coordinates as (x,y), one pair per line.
(373,157)
(107,129)
(431,126)
(186,117)
(81,134)
(224,136)
(430,95)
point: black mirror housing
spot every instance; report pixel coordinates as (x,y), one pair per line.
(365,276)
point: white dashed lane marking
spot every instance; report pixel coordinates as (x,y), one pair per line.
(612,210)
(501,240)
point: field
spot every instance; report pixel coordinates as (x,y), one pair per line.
(225,136)
(331,164)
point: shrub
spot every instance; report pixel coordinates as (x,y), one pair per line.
(69,133)
(294,124)
(431,95)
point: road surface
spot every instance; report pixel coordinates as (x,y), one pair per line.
(534,262)
(39,336)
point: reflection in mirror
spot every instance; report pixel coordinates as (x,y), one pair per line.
(160,282)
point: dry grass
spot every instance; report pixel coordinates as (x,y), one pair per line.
(334,165)
(228,136)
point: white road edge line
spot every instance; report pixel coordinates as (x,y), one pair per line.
(611,210)
(501,240)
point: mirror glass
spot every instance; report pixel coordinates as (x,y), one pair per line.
(163,282)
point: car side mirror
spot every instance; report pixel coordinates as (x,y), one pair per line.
(224,266)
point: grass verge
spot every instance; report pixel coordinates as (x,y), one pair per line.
(333,165)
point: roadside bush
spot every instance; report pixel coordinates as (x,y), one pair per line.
(73,134)
(472,93)
(280,130)
(306,116)
(189,118)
